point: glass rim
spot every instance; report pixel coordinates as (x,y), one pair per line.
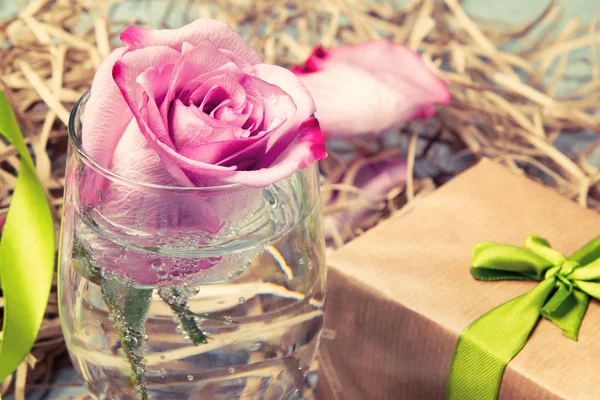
(112,175)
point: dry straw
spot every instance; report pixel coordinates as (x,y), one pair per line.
(504,103)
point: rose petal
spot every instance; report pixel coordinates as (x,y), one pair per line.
(293,87)
(223,98)
(314,62)
(222,35)
(305,107)
(371,87)
(307,146)
(171,161)
(155,84)
(282,119)
(135,158)
(213,152)
(106,114)
(132,64)
(374,179)
(278,106)
(191,127)
(145,165)
(192,64)
(105,117)
(241,62)
(253,110)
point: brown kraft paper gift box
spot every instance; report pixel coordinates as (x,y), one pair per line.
(400,295)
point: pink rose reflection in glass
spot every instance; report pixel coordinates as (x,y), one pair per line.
(193,107)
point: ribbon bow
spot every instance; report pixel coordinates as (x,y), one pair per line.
(487,345)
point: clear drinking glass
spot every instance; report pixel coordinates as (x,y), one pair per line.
(189,293)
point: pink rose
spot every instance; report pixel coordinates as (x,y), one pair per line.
(370,87)
(186,108)
(197,106)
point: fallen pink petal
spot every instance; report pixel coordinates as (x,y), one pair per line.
(370,87)
(374,180)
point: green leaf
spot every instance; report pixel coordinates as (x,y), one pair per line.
(178,304)
(128,308)
(26,254)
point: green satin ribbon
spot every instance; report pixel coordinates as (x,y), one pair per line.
(26,254)
(487,345)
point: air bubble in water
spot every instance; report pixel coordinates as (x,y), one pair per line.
(87,332)
(176,275)
(162,357)
(131,341)
(241,300)
(231,370)
(163,372)
(190,378)
(162,274)
(157,265)
(227,320)
(77,293)
(274,99)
